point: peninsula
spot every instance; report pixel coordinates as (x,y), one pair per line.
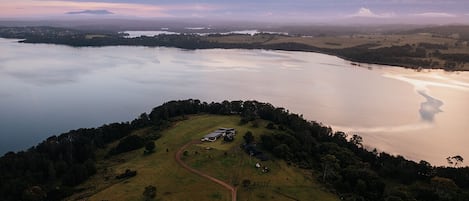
(440,47)
(274,155)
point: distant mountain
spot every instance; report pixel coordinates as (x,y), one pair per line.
(92,12)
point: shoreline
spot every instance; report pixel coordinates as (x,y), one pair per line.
(352,61)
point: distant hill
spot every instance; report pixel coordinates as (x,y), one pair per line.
(92,12)
(456,31)
(425,48)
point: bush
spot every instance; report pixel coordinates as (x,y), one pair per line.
(255,123)
(248,137)
(149,147)
(246,183)
(127,144)
(75,175)
(243,121)
(270,126)
(152,136)
(149,193)
(127,174)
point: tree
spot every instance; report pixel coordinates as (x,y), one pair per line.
(424,169)
(248,137)
(149,147)
(267,142)
(329,164)
(127,174)
(357,140)
(341,136)
(149,193)
(270,125)
(34,193)
(445,188)
(75,175)
(283,151)
(455,160)
(255,123)
(129,143)
(246,183)
(392,198)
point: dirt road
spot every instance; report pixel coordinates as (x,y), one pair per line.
(187,167)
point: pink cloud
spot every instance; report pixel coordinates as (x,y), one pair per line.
(434,14)
(28,8)
(366,12)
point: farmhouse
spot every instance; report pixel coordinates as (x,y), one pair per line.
(221,132)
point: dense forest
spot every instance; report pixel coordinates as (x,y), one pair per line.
(51,170)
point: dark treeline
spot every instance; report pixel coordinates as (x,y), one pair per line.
(415,56)
(50,170)
(395,55)
(354,172)
(407,55)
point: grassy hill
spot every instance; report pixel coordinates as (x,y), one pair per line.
(84,164)
(225,161)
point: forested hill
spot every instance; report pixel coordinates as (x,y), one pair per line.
(51,170)
(421,48)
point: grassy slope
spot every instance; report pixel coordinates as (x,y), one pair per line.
(339,42)
(347,41)
(175,183)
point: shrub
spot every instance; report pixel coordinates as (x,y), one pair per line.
(149,193)
(127,144)
(127,174)
(246,183)
(149,147)
(270,126)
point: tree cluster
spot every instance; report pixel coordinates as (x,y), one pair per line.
(50,170)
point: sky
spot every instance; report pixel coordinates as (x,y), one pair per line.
(449,11)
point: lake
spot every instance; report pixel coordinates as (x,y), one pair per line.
(49,89)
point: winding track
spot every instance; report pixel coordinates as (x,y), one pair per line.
(187,167)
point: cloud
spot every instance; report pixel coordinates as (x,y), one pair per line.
(434,14)
(366,12)
(33,8)
(429,108)
(92,12)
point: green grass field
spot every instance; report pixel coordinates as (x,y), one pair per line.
(225,161)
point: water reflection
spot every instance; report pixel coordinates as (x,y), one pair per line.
(421,81)
(429,108)
(48,89)
(386,129)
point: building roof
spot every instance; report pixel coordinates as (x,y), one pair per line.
(225,129)
(218,132)
(214,134)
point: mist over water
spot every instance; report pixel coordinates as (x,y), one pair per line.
(49,89)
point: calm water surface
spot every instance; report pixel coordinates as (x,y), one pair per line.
(50,89)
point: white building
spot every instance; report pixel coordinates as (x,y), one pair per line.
(221,132)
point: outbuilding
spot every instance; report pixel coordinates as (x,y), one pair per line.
(221,132)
